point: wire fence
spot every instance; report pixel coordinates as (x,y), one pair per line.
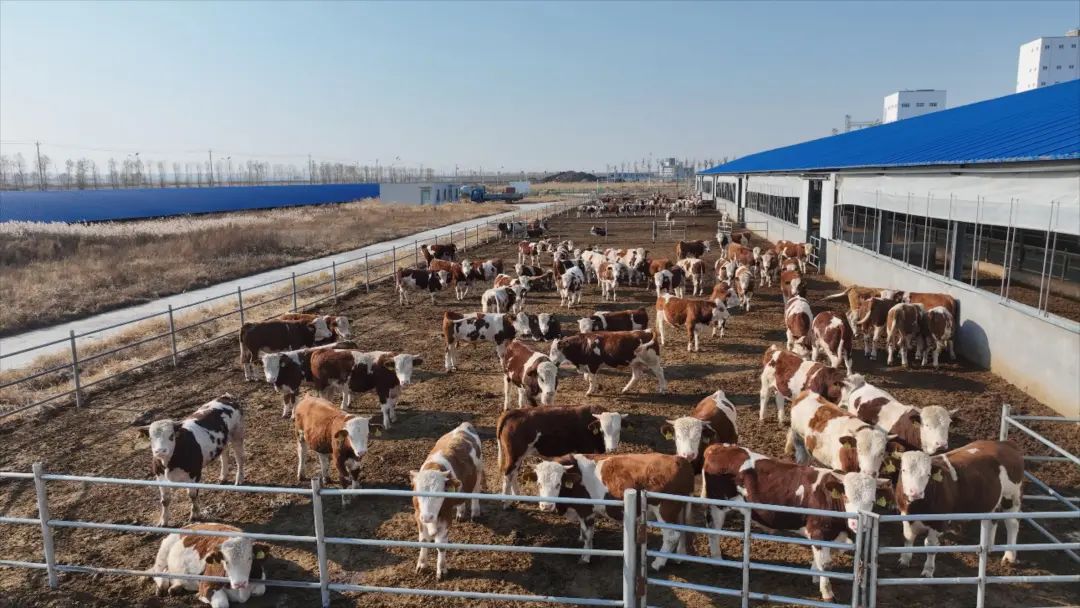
(168,335)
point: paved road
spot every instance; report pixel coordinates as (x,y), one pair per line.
(123,315)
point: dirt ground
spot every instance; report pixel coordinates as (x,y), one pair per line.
(98,440)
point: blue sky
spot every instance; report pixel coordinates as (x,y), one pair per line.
(538,86)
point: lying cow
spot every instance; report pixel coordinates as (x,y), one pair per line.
(532,372)
(180,450)
(624,320)
(499,329)
(981,477)
(833,437)
(414,279)
(694,315)
(925,429)
(239,559)
(587,352)
(713,420)
(276,336)
(551,432)
(797,320)
(734,473)
(335,436)
(832,336)
(609,476)
(455,464)
(784,375)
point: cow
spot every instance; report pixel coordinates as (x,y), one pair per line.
(744,285)
(656,266)
(713,420)
(532,372)
(490,268)
(335,436)
(446,252)
(725,269)
(537,276)
(527,251)
(694,269)
(355,372)
(509,229)
(932,300)
(239,559)
(800,252)
(609,275)
(543,327)
(455,464)
(925,429)
(597,231)
(670,281)
(724,292)
(797,320)
(461,275)
(743,255)
(498,329)
(792,284)
(510,298)
(599,476)
(570,286)
(832,336)
(337,323)
(902,324)
(769,266)
(694,315)
(594,262)
(735,473)
(414,279)
(870,320)
(587,352)
(549,432)
(784,375)
(287,371)
(691,249)
(936,332)
(834,437)
(276,336)
(180,450)
(981,477)
(624,320)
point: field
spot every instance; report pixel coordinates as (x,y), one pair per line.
(58,272)
(98,440)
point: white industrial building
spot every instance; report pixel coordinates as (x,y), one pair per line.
(672,168)
(418,193)
(1048,61)
(912,102)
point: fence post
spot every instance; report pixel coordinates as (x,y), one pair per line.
(333,277)
(75,370)
(367,274)
(858,559)
(294,292)
(46,530)
(320,541)
(605,230)
(746,558)
(172,335)
(872,556)
(630,549)
(984,556)
(416,252)
(654,231)
(1003,434)
(393,254)
(642,538)
(240,302)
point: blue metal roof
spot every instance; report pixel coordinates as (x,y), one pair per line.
(1042,124)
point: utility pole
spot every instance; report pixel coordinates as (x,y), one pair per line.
(41,172)
(211,168)
(310,170)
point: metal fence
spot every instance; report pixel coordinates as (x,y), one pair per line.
(658,229)
(180,328)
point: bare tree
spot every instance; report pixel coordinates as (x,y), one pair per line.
(114,175)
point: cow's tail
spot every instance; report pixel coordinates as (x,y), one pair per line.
(838,296)
(869,312)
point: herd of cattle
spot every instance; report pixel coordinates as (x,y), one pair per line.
(855,446)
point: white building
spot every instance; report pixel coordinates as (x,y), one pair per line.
(909,103)
(418,193)
(672,168)
(1047,61)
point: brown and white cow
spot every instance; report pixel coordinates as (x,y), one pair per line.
(510,298)
(713,420)
(724,292)
(276,336)
(742,255)
(180,450)
(981,477)
(241,560)
(335,436)
(527,251)
(587,352)
(537,277)
(694,315)
(355,372)
(337,323)
(799,252)
(489,269)
(623,320)
(797,320)
(532,372)
(925,429)
(455,464)
(499,329)
(288,371)
(571,284)
(870,320)
(461,275)
(656,266)
(439,252)
(671,281)
(784,375)
(937,332)
(694,270)
(415,279)
(832,336)
(792,284)
(551,432)
(833,437)
(600,476)
(744,285)
(769,267)
(691,249)
(609,276)
(725,269)
(735,473)
(902,325)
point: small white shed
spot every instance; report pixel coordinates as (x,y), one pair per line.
(418,193)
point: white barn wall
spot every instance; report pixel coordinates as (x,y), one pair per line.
(772,228)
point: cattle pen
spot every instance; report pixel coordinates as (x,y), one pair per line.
(84,502)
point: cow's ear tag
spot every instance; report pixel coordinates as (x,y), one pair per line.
(890,467)
(881,502)
(568,484)
(669,435)
(260,555)
(596,431)
(835,493)
(377,432)
(937,476)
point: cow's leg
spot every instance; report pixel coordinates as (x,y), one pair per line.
(790,345)
(952,353)
(506,393)
(288,400)
(1012,527)
(389,406)
(593,384)
(660,328)
(815,351)
(423,537)
(196,512)
(779,400)
(822,558)
(301,456)
(524,398)
(236,448)
(478,487)
(765,394)
(441,536)
(166,498)
(691,338)
(224,458)
(931,541)
(346,397)
(890,350)
(670,543)
(586,530)
(938,347)
(635,375)
(911,534)
(244,362)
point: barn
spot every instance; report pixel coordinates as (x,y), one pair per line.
(980,201)
(418,193)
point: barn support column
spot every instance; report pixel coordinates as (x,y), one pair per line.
(959,250)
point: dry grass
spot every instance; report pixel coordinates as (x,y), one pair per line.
(553,189)
(57,272)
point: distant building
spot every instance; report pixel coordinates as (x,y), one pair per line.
(419,193)
(1049,60)
(908,103)
(671,168)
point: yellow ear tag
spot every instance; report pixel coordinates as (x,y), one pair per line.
(596,431)
(881,501)
(897,454)
(890,468)
(937,476)
(378,432)
(835,493)
(669,436)
(568,484)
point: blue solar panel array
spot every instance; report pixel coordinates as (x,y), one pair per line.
(102,205)
(1043,124)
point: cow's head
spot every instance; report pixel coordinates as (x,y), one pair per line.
(441,278)
(236,555)
(520,323)
(547,377)
(551,477)
(720,312)
(549,326)
(588,324)
(934,422)
(340,326)
(705,244)
(321,329)
(555,353)
(272,364)
(609,425)
(851,384)
(835,380)
(162,435)
(916,472)
(432,480)
(689,434)
(402,365)
(356,433)
(868,448)
(863,492)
